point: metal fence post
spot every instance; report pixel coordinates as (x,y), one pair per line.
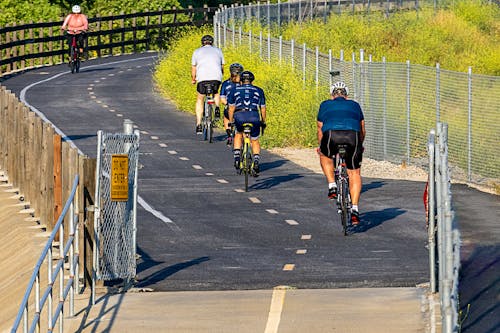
(384,105)
(250,41)
(268,15)
(280,48)
(240,35)
(317,69)
(431,205)
(469,125)
(408,111)
(330,64)
(304,54)
(268,47)
(438,100)
(292,49)
(260,44)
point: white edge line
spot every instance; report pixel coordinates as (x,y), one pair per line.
(157,214)
(22,96)
(274,318)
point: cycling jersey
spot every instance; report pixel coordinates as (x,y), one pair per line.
(340,114)
(226,88)
(208,60)
(246,97)
(75,23)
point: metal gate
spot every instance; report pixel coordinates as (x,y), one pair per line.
(115,206)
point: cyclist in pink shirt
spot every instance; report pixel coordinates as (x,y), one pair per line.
(76,24)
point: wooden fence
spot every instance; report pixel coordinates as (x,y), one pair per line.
(32,45)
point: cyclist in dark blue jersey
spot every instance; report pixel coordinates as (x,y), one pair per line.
(228,85)
(341,121)
(245,103)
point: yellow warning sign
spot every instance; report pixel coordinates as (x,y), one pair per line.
(119,177)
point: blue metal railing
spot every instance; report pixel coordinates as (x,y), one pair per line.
(69,251)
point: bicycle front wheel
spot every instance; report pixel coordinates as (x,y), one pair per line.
(72,62)
(345,211)
(247,164)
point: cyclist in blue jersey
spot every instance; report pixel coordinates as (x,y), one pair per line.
(341,121)
(245,102)
(235,71)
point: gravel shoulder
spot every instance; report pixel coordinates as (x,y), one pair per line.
(308,158)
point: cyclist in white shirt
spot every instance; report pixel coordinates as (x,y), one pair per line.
(207,67)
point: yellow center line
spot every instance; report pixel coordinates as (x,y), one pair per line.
(277,301)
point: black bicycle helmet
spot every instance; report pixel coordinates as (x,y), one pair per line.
(247,76)
(236,68)
(207,40)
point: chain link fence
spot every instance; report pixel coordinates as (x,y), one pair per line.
(115,213)
(401,101)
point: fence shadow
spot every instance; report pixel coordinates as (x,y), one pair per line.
(168,271)
(372,185)
(479,289)
(273,181)
(373,219)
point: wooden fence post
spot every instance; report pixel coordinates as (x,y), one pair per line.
(51,46)
(40,46)
(99,30)
(110,28)
(22,48)
(58,192)
(31,51)
(14,49)
(147,30)
(122,25)
(88,182)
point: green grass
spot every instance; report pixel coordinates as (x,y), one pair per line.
(291,112)
(466,34)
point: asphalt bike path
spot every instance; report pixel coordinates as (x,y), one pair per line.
(197,230)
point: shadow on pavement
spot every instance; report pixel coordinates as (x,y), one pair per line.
(106,308)
(271,165)
(480,289)
(168,271)
(273,181)
(372,185)
(373,219)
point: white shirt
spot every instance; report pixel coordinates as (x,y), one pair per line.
(208,60)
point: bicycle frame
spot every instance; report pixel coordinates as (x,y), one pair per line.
(246,163)
(343,196)
(74,61)
(208,107)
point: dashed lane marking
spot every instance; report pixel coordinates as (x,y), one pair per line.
(305,237)
(254,200)
(164,145)
(272,211)
(154,137)
(119,115)
(105,106)
(222,181)
(172,152)
(112,110)
(209,174)
(292,222)
(144,132)
(239,190)
(289,267)
(301,251)
(183,158)
(197,167)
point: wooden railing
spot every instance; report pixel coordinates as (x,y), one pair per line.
(32,45)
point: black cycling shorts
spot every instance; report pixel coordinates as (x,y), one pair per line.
(354,151)
(201,87)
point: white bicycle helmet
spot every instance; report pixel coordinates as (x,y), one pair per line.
(76,9)
(339,86)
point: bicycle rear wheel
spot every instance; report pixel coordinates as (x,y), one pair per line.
(247,164)
(72,63)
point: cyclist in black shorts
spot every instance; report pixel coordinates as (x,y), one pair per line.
(341,121)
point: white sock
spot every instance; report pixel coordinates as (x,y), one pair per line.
(355,207)
(332,185)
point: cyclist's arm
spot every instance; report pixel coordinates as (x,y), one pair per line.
(363,131)
(320,132)
(263,112)
(231,113)
(193,74)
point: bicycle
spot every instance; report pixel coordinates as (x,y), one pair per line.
(344,203)
(207,120)
(74,58)
(246,161)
